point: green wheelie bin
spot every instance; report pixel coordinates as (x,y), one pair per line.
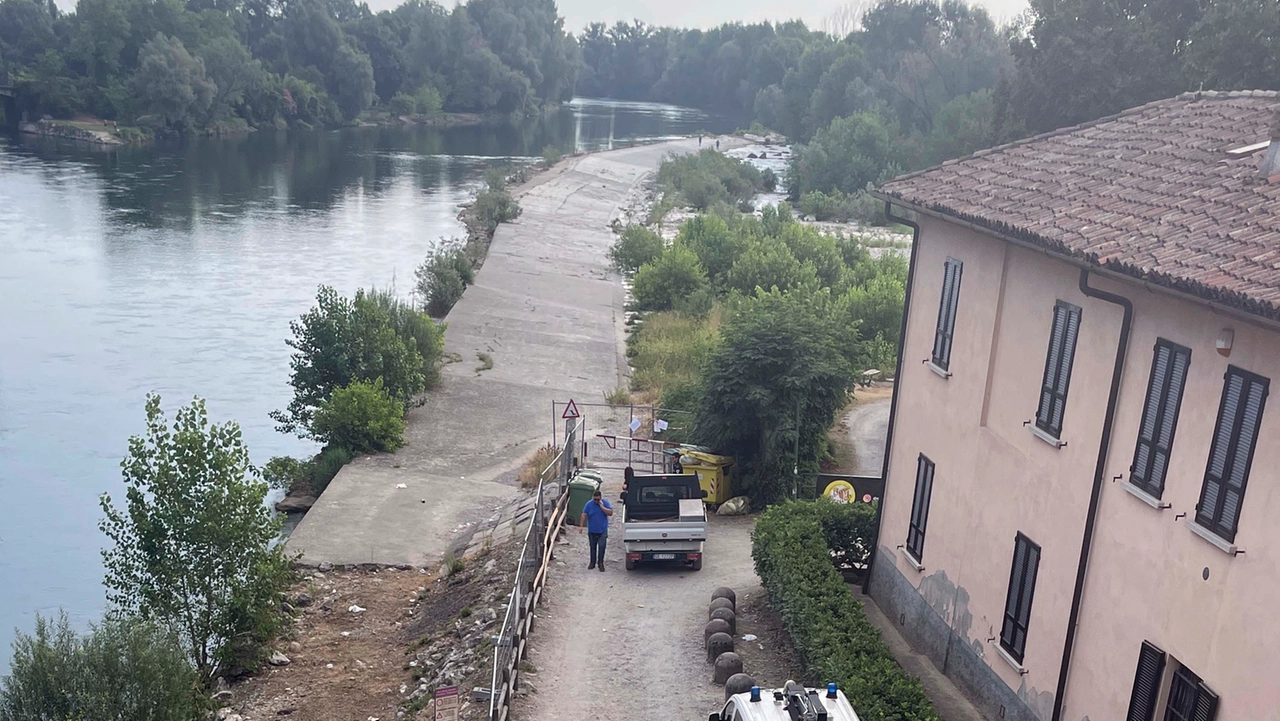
(581,488)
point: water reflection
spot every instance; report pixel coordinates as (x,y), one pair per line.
(177,269)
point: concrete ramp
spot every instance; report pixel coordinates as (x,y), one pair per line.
(548,309)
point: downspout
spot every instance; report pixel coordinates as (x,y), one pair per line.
(897,384)
(1098,475)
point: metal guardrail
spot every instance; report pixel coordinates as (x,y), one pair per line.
(548,518)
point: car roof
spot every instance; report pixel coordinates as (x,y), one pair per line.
(770,709)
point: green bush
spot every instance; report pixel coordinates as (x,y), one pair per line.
(849,529)
(709,177)
(495,204)
(427,100)
(402,104)
(550,156)
(829,628)
(361,417)
(675,274)
(843,208)
(121,669)
(442,278)
(415,329)
(326,465)
(636,246)
(287,474)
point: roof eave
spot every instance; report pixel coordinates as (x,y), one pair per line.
(1218,300)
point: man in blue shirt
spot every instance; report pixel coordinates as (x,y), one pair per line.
(595,519)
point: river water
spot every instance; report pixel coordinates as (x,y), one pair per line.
(176,269)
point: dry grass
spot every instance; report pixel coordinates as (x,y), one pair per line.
(618,397)
(533,467)
(671,348)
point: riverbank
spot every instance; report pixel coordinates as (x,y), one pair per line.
(546,307)
(82,131)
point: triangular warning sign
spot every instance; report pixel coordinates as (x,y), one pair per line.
(571,410)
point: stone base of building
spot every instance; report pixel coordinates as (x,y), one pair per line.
(959,658)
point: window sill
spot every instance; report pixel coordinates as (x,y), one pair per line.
(915,563)
(1145,497)
(1217,541)
(1022,670)
(1044,436)
(943,372)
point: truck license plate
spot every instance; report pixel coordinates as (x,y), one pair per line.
(664,556)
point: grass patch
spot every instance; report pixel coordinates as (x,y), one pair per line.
(532,469)
(453,564)
(486,362)
(670,348)
(618,397)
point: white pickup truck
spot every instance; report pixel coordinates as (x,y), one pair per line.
(663,519)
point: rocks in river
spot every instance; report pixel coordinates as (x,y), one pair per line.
(295,504)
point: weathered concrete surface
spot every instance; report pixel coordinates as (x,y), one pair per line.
(868,424)
(547,307)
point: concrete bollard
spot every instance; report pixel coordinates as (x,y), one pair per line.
(720,603)
(714,626)
(725,592)
(719,643)
(726,615)
(738,683)
(728,664)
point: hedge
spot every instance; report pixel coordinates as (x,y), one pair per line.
(829,629)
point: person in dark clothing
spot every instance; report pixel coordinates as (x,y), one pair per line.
(627,474)
(595,520)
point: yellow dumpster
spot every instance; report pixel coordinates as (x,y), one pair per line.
(714,473)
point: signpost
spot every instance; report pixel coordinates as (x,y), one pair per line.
(447,703)
(570,411)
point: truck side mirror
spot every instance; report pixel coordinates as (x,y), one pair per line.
(713,717)
(704,493)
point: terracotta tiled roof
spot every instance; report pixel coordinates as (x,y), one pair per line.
(1151,193)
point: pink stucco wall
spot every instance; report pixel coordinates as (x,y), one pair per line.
(995,478)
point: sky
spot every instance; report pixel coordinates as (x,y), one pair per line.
(709,13)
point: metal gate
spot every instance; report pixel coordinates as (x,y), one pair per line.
(617,436)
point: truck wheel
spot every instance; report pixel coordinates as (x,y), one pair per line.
(630,564)
(697,565)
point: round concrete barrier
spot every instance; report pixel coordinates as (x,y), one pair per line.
(720,603)
(725,592)
(728,665)
(719,643)
(738,683)
(726,615)
(714,626)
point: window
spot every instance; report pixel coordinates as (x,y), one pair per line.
(947,313)
(1057,368)
(1184,696)
(1017,607)
(1244,395)
(1159,417)
(1189,698)
(920,508)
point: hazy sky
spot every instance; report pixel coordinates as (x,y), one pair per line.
(708,13)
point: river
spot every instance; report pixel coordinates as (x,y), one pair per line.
(176,269)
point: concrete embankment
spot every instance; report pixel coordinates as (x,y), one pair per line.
(547,308)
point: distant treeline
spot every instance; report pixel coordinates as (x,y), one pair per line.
(210,63)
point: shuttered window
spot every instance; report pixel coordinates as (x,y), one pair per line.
(1057,368)
(920,507)
(947,313)
(1244,395)
(1146,685)
(1189,698)
(1022,587)
(1159,416)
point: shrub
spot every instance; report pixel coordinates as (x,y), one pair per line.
(121,669)
(671,348)
(669,277)
(415,329)
(288,474)
(709,177)
(829,628)
(402,104)
(361,417)
(494,204)
(427,100)
(636,246)
(442,279)
(531,471)
(550,156)
(326,465)
(618,397)
(843,208)
(849,530)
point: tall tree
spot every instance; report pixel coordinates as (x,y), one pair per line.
(171,84)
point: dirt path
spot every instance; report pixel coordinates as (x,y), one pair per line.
(619,645)
(868,424)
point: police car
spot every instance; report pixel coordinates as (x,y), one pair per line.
(792,702)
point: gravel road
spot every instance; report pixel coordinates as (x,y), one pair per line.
(619,645)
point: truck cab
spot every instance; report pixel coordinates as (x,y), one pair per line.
(792,702)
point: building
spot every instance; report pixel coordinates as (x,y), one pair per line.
(1081,504)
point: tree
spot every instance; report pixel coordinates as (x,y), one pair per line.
(442,278)
(233,71)
(361,417)
(341,340)
(845,156)
(636,246)
(350,81)
(171,84)
(778,377)
(674,275)
(193,547)
(716,245)
(1233,46)
(121,669)
(768,264)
